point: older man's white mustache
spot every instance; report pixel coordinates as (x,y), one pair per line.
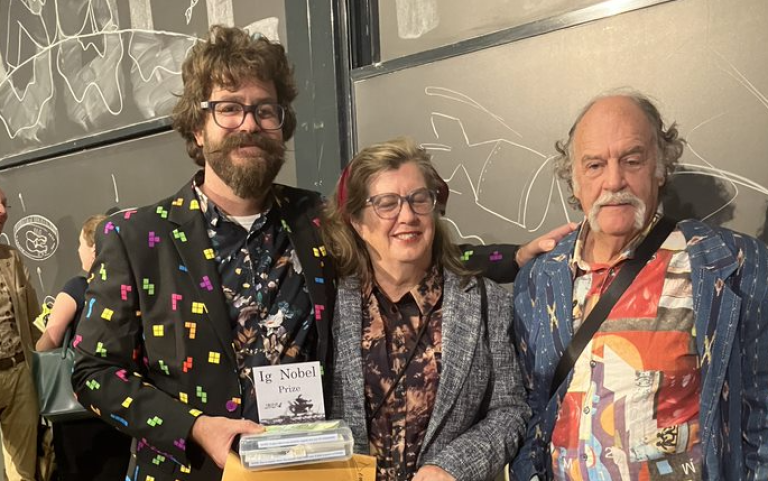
(614,198)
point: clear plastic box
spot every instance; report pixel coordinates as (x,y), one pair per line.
(294,444)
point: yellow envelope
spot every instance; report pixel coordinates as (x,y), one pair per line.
(359,468)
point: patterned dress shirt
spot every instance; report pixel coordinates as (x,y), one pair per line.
(631,411)
(389,332)
(269,306)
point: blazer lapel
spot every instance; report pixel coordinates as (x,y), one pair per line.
(557,299)
(552,306)
(349,340)
(191,240)
(715,306)
(461,333)
(296,211)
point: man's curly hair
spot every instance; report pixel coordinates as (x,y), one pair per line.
(229,58)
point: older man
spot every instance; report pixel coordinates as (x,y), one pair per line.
(18,398)
(674,382)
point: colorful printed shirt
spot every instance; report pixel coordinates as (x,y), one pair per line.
(632,409)
(269,305)
(389,332)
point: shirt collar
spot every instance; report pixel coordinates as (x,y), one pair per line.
(426,294)
(577,262)
(212,213)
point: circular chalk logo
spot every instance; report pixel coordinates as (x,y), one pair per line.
(36,237)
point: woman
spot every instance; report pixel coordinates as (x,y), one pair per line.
(88,449)
(458,410)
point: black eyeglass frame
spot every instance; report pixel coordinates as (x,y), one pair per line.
(371,201)
(210,106)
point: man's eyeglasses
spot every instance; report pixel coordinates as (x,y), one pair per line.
(388,206)
(231,115)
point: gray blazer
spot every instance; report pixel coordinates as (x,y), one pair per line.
(467,446)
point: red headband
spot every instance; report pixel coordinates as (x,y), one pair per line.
(442,193)
(341,192)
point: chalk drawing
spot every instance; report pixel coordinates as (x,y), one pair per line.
(156,69)
(459,97)
(114,187)
(476,171)
(220,12)
(82,57)
(189,10)
(40,278)
(540,187)
(141,14)
(36,237)
(469,237)
(416,17)
(267,27)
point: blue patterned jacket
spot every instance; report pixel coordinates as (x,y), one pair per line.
(730,288)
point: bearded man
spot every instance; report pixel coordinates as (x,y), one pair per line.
(190,293)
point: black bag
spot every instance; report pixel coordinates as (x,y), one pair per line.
(52,371)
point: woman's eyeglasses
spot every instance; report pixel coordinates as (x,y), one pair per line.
(388,206)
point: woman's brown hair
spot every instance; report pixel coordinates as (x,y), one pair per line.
(345,246)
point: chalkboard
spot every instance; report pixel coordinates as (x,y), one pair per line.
(407,27)
(77,72)
(490,117)
(51,199)
(66,173)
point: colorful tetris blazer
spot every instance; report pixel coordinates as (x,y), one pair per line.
(730,285)
(154,347)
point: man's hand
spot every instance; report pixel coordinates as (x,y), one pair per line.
(215,435)
(543,244)
(430,472)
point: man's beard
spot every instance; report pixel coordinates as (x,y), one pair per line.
(623,197)
(252,177)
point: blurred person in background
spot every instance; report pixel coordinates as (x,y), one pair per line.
(18,398)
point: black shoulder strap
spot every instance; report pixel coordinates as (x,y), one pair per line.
(599,313)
